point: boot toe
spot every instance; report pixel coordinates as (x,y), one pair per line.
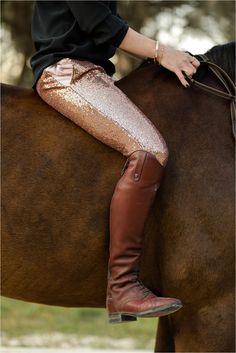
(153,306)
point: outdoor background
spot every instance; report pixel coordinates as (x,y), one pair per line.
(187,25)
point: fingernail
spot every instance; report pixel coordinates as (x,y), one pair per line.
(187,85)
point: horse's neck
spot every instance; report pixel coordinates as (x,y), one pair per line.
(185,117)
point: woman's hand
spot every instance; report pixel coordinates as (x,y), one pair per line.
(178,61)
(174,60)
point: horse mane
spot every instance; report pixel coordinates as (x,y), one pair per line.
(222,55)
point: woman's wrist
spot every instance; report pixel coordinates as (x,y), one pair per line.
(138,45)
(159,51)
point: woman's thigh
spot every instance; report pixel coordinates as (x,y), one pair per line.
(86,94)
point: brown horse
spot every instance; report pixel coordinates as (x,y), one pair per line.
(57,183)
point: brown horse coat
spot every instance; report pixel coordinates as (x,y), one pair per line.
(57,183)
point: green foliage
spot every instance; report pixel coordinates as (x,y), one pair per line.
(22,318)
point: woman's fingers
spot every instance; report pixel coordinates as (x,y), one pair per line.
(181,78)
(195,63)
(179,62)
(189,70)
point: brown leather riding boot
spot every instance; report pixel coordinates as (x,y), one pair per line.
(127,297)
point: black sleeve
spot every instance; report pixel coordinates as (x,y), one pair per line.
(96,19)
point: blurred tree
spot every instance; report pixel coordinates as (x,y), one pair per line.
(214,18)
(16,18)
(222,13)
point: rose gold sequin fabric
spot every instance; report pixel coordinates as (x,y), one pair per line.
(83,92)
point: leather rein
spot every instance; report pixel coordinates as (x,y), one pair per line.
(227,83)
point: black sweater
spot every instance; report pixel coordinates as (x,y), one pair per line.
(85,30)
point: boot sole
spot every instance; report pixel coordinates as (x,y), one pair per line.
(115,318)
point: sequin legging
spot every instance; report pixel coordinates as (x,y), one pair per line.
(83,92)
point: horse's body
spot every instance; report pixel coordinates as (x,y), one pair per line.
(57,183)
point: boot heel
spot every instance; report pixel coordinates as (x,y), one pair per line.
(118,318)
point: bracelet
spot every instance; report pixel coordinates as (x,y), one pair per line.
(159,51)
(156,52)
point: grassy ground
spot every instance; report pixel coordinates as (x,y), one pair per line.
(20,319)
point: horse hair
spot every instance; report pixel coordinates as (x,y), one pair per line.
(224,56)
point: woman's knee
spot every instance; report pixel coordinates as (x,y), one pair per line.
(161,151)
(162,157)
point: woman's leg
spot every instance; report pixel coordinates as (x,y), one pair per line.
(85,94)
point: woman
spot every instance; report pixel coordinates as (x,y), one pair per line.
(72,72)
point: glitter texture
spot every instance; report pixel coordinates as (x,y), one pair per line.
(83,92)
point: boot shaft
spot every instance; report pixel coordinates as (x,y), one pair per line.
(130,205)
